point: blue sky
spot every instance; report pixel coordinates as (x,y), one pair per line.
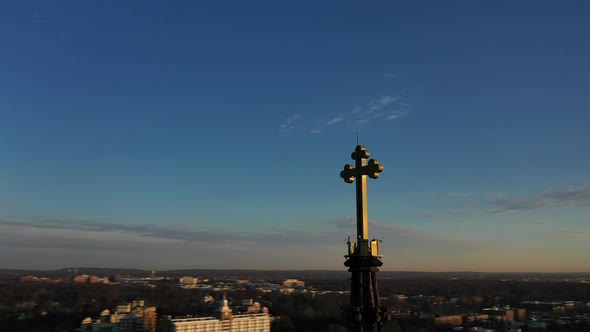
(211,134)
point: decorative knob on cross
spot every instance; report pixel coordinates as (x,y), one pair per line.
(360,154)
(348,173)
(374,168)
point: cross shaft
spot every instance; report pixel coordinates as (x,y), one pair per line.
(360,171)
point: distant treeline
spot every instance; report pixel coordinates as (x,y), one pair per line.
(301,274)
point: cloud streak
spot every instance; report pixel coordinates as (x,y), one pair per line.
(290,123)
(333,121)
(185,233)
(431,214)
(51,243)
(54,243)
(575,233)
(451,194)
(387,100)
(384,108)
(576,195)
(401,237)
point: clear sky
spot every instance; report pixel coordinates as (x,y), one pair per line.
(211,134)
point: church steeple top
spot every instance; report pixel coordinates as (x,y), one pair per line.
(224,310)
(224,305)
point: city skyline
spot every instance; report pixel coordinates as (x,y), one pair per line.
(162,136)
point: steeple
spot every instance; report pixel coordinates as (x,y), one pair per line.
(364,312)
(225,311)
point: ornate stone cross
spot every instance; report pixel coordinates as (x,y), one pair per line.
(360,171)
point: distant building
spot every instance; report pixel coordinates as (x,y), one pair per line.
(27,278)
(81,278)
(544,306)
(95,280)
(293,283)
(128,317)
(400,297)
(506,314)
(256,320)
(84,278)
(458,320)
(188,281)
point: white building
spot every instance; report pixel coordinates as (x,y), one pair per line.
(225,321)
(188,281)
(293,283)
(128,317)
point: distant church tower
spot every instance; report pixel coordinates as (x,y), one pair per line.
(225,312)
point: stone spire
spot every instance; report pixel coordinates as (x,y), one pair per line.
(225,311)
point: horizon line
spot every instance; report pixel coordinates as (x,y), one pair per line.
(289,270)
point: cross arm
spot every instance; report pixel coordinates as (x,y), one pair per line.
(372,169)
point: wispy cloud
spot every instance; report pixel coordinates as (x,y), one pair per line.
(53,243)
(290,123)
(50,243)
(383,108)
(543,222)
(330,122)
(38,242)
(451,194)
(573,232)
(6,175)
(431,214)
(387,100)
(334,121)
(408,238)
(152,231)
(576,195)
(386,107)
(316,131)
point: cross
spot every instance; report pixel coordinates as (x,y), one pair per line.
(360,171)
